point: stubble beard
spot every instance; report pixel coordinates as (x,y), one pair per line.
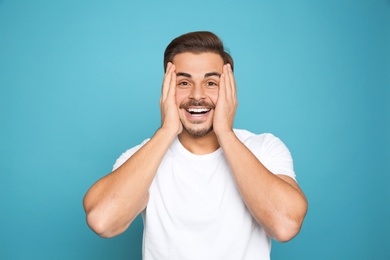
(197,132)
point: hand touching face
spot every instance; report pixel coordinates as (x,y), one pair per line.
(227,102)
(169,114)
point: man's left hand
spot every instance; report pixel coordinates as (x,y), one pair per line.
(226,106)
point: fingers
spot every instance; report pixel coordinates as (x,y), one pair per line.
(168,81)
(169,111)
(222,85)
(232,80)
(227,82)
(226,103)
(172,84)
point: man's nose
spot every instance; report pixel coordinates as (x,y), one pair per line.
(197,92)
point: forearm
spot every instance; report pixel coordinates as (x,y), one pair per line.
(114,201)
(276,202)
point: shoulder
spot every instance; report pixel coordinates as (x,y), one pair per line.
(264,144)
(127,154)
(249,138)
(270,150)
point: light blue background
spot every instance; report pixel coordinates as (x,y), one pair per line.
(80,83)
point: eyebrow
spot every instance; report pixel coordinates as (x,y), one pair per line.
(209,74)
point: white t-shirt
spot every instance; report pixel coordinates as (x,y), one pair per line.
(195,210)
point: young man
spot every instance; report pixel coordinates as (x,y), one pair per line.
(205,190)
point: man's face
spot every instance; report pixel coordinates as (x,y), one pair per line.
(197,89)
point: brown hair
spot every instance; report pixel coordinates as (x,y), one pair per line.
(196,42)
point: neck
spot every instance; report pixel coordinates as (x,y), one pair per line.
(199,145)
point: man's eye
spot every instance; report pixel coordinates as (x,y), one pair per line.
(211,84)
(183,83)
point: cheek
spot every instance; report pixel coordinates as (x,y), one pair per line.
(213,95)
(180,96)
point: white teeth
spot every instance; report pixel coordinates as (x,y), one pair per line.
(198,110)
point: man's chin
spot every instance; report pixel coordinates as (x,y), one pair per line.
(200,132)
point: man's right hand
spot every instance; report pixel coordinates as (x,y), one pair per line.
(169,110)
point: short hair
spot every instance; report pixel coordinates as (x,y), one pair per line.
(196,42)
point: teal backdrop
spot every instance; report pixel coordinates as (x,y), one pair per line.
(80,83)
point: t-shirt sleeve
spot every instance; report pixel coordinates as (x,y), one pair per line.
(126,155)
(273,154)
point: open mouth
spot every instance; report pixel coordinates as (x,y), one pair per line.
(198,111)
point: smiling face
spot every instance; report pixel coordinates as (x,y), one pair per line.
(197,89)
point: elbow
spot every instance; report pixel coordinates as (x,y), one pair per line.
(95,220)
(97,225)
(290,226)
(101,221)
(101,225)
(286,233)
